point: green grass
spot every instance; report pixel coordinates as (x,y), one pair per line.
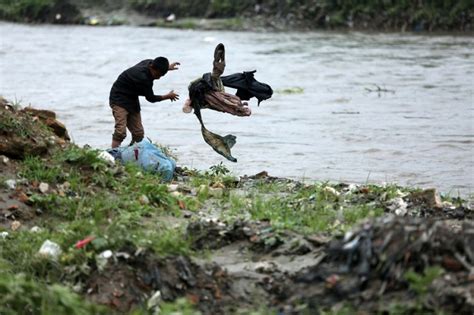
(21,295)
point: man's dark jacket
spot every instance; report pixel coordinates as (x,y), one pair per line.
(133,82)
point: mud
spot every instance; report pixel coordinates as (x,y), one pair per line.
(366,268)
(132,276)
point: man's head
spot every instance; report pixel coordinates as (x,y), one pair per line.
(159,67)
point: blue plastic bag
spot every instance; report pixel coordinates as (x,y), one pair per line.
(147,156)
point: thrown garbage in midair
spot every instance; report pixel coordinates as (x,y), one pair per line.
(208,92)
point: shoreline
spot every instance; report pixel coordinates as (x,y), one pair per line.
(242,25)
(271,15)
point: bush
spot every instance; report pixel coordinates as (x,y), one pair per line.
(49,11)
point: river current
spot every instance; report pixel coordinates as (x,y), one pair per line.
(419,130)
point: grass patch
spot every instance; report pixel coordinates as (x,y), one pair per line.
(21,295)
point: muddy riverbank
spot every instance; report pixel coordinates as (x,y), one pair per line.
(215,243)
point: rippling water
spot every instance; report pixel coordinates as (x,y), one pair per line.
(422,134)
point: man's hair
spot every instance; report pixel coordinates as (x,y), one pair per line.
(161,64)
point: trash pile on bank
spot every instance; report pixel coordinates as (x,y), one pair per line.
(387,264)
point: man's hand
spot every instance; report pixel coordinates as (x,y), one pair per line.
(174,66)
(172,96)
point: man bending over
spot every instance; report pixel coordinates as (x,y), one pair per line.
(133,82)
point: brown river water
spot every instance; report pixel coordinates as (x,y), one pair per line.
(420,133)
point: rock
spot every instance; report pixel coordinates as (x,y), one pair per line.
(11,183)
(49,119)
(43,188)
(430,197)
(143,200)
(187,214)
(4,159)
(50,250)
(35,229)
(172,187)
(15,225)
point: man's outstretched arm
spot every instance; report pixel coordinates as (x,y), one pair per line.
(152,98)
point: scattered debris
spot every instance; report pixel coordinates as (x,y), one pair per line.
(50,249)
(398,206)
(15,225)
(4,159)
(84,242)
(43,188)
(107,157)
(379,90)
(154,302)
(36,229)
(11,183)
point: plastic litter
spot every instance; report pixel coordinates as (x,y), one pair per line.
(84,242)
(50,249)
(102,259)
(107,157)
(11,183)
(154,301)
(147,156)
